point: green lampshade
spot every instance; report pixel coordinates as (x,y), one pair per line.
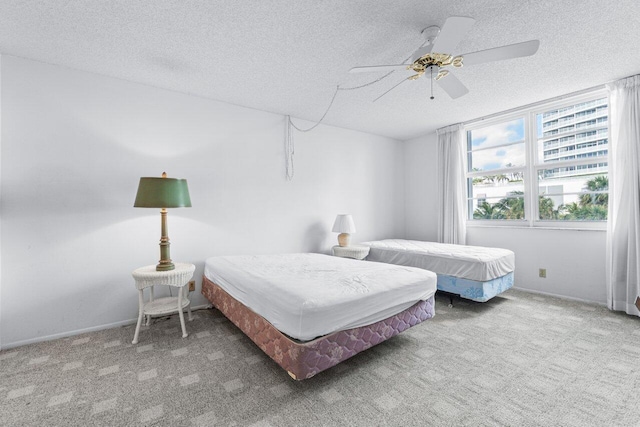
(162,193)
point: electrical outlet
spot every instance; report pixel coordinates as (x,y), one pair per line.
(192,286)
(542,273)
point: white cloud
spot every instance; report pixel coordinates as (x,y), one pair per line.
(489,159)
(499,134)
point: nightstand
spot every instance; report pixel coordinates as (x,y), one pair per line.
(354,251)
(148,277)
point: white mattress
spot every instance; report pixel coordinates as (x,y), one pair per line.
(469,262)
(309,295)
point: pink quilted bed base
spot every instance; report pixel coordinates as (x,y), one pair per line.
(303,360)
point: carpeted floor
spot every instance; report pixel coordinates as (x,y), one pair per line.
(520,359)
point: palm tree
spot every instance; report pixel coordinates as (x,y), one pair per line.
(546,210)
(478,180)
(591,206)
(512,207)
(585,199)
(577,212)
(599,183)
(502,178)
(487,211)
(596,184)
(516,176)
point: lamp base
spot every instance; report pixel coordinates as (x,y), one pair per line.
(165,263)
(165,266)
(344,239)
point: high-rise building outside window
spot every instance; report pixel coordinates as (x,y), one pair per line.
(541,166)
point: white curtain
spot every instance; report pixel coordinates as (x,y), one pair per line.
(623,227)
(452,192)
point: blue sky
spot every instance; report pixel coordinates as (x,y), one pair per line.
(491,136)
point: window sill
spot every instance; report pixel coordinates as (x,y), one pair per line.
(535,227)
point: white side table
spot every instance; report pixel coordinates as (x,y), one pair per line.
(148,277)
(355,251)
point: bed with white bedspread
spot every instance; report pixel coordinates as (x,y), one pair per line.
(473,272)
(309,312)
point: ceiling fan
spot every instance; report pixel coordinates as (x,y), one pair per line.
(434,58)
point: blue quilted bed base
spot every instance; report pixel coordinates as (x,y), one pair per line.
(475,291)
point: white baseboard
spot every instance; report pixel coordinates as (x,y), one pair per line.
(7,346)
(549,294)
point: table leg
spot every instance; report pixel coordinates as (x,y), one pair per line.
(140,315)
(148,320)
(181,314)
(189,310)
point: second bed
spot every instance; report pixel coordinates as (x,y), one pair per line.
(474,272)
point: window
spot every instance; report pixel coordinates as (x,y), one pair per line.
(543,165)
(497,164)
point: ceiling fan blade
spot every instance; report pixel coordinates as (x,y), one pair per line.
(452,86)
(367,69)
(453,30)
(517,50)
(395,86)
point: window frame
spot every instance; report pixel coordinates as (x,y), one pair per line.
(533,164)
(470,175)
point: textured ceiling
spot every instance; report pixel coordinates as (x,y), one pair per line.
(287,56)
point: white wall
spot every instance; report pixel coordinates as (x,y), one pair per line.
(574,259)
(420,183)
(74,146)
(0,202)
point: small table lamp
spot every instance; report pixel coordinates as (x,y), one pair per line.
(344,225)
(163,193)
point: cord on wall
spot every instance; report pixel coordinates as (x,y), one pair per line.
(288,138)
(289,149)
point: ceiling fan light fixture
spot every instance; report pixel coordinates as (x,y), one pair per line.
(431,60)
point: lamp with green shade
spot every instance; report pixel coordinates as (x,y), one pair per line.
(163,193)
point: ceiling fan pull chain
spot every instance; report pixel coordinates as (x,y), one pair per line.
(431,68)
